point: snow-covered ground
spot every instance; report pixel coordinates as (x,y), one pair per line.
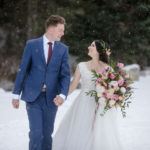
(134,129)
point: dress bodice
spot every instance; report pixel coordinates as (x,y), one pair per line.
(86,77)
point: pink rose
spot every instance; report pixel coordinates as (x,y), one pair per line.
(99,79)
(112,76)
(120,73)
(116,97)
(104,85)
(108,52)
(120,65)
(105,95)
(127,76)
(109,96)
(108,105)
(120,82)
(125,83)
(104,71)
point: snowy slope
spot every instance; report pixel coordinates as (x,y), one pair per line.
(134,129)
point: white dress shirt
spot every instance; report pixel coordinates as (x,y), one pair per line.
(46,49)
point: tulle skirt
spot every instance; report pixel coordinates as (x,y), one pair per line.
(75,131)
(106,135)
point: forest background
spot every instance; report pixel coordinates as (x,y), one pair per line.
(124,24)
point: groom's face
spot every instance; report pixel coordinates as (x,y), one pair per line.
(56,32)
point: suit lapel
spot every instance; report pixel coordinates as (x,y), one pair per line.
(41,46)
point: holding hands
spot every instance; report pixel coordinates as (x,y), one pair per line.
(58,100)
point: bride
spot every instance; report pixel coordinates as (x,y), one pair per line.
(82,128)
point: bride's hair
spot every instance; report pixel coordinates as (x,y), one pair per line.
(102,53)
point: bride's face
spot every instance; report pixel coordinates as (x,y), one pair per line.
(92,50)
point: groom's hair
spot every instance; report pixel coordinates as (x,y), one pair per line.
(53,20)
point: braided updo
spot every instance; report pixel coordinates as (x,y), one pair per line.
(100,49)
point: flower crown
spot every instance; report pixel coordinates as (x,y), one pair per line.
(105,49)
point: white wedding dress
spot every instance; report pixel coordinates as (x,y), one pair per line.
(75,130)
(81,128)
(105,134)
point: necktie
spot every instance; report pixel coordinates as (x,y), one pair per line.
(49,52)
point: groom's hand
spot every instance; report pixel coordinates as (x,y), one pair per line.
(58,100)
(15,103)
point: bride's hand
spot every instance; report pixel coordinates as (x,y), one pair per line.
(58,100)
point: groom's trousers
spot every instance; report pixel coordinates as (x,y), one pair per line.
(41,123)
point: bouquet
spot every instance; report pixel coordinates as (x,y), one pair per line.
(112,86)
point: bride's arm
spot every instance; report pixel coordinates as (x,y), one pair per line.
(75,81)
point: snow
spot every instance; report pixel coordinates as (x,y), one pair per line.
(133,66)
(134,129)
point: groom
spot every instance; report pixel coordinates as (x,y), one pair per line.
(43,81)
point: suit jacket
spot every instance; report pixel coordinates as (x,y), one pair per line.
(34,73)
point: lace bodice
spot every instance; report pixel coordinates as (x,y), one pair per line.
(86,77)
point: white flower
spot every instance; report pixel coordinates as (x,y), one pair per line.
(105,76)
(123,90)
(111,91)
(112,103)
(113,83)
(99,94)
(99,88)
(116,88)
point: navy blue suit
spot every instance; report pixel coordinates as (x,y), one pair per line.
(32,75)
